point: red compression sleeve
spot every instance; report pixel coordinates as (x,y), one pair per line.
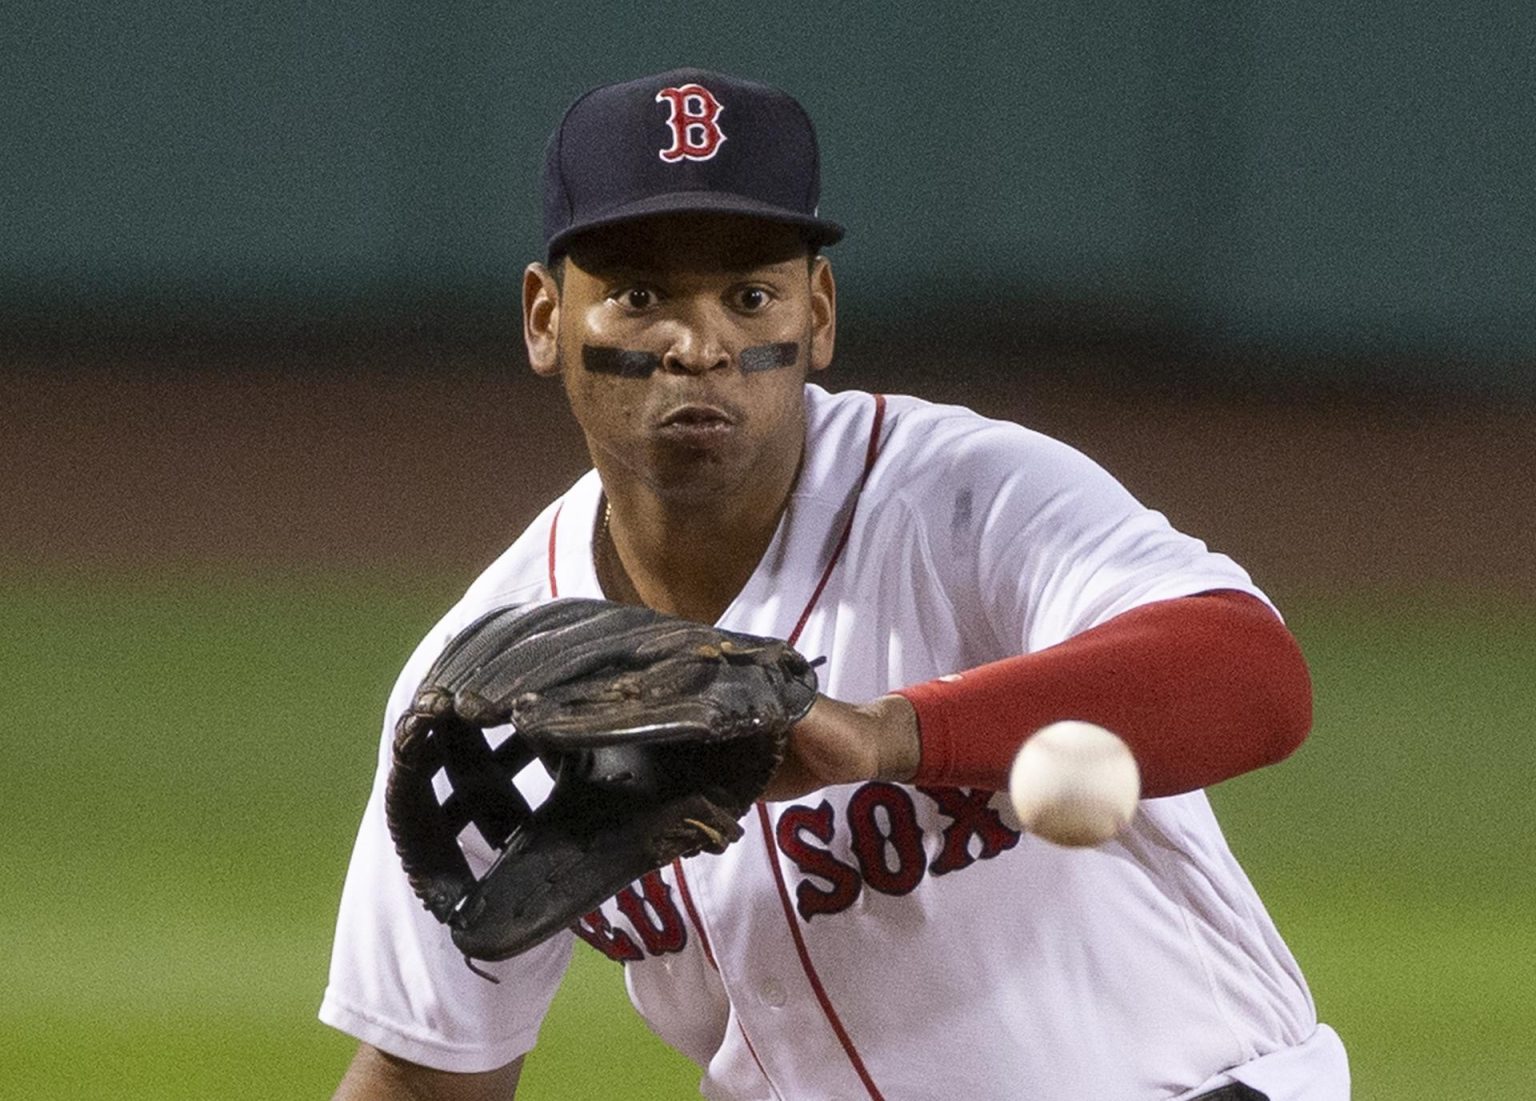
(1202,688)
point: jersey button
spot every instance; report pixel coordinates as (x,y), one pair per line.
(772,994)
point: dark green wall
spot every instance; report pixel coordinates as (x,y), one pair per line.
(1350,178)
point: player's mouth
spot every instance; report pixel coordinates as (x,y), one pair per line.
(696,425)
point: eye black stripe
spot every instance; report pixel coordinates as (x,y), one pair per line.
(766,357)
(619,361)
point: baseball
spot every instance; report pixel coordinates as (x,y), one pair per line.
(1074,783)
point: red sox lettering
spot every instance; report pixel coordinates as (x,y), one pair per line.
(616,944)
(693,112)
(884,837)
(887,843)
(652,913)
(800,827)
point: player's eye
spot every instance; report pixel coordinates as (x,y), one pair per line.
(635,298)
(753,299)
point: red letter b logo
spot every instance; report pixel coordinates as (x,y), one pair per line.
(693,111)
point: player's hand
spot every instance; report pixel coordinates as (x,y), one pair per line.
(844,743)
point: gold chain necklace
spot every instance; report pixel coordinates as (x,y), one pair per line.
(612,577)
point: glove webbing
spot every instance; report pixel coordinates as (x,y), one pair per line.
(481,794)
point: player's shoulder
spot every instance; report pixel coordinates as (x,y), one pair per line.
(922,441)
(521,572)
(920,425)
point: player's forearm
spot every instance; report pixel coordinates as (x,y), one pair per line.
(845,743)
(1202,689)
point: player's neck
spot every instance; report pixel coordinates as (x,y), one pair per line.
(685,558)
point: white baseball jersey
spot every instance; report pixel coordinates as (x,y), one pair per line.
(881,940)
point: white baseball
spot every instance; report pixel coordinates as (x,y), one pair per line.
(1074,783)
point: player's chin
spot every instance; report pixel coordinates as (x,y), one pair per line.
(699,476)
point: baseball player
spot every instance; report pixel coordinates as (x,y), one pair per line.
(884,928)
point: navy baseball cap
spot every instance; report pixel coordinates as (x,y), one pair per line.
(688,140)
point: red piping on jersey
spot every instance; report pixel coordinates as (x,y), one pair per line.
(805,959)
(693,915)
(554,525)
(870,454)
(698,927)
(869,461)
(752,1051)
(677,865)
(770,845)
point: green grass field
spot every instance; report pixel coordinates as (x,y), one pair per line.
(187,758)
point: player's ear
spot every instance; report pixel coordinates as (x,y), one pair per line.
(541,318)
(823,313)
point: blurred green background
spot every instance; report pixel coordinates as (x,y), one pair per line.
(188,761)
(1273,263)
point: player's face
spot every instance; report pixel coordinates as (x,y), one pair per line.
(684,343)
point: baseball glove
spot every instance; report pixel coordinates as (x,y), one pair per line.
(658,733)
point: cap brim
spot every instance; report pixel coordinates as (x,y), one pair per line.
(817,231)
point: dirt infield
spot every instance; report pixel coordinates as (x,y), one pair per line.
(139,467)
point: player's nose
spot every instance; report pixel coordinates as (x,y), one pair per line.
(696,347)
(695,357)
